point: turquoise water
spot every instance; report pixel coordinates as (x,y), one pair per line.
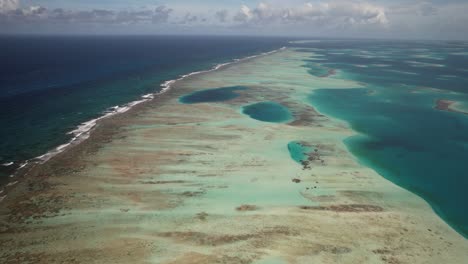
(400,134)
(212,95)
(268,112)
(298,151)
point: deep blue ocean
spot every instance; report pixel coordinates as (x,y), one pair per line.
(400,133)
(50,85)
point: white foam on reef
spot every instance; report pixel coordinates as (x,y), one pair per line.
(304,41)
(426,56)
(23,165)
(8,164)
(402,72)
(82,132)
(360,65)
(463,53)
(381,65)
(168,84)
(424,64)
(366,56)
(12,183)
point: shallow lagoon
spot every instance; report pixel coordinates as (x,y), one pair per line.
(298,151)
(401,134)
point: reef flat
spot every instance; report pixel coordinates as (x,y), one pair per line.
(203,182)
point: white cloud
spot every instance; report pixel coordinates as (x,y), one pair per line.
(8,5)
(357,18)
(421,8)
(222,15)
(334,12)
(39,14)
(264,12)
(446,21)
(244,15)
(189,19)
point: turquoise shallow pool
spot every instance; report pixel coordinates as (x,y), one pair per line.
(268,112)
(298,151)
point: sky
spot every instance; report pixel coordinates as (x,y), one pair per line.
(394,19)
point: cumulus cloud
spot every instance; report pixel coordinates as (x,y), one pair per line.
(244,14)
(161,14)
(421,8)
(329,12)
(428,9)
(12,13)
(222,16)
(189,18)
(335,12)
(369,18)
(8,5)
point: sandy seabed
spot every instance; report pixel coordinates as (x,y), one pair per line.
(203,183)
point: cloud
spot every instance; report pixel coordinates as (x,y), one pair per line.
(11,13)
(189,19)
(264,12)
(439,21)
(222,16)
(344,18)
(244,15)
(421,8)
(427,9)
(8,5)
(161,14)
(334,12)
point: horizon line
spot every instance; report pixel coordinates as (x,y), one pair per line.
(296,37)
